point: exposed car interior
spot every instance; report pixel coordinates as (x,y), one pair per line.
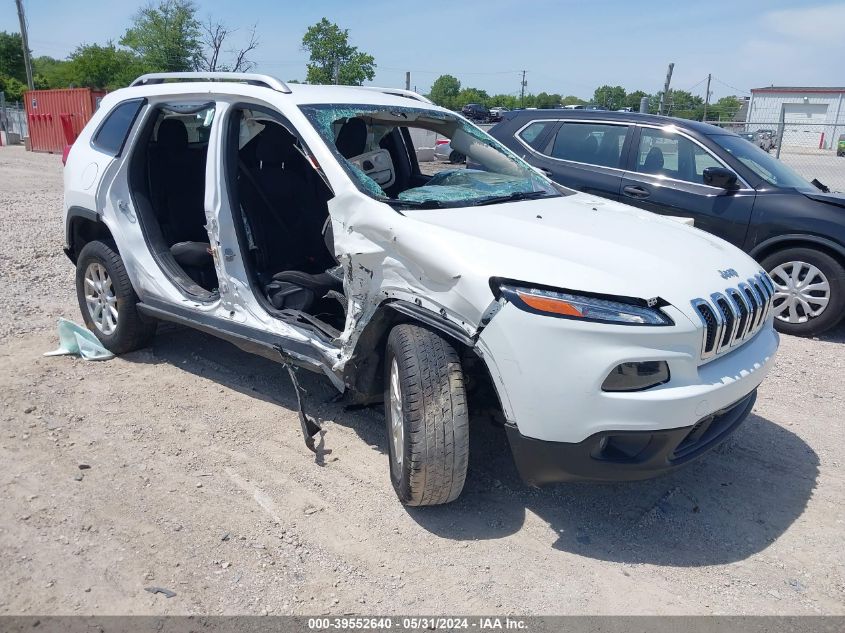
(284,230)
(375,146)
(167,175)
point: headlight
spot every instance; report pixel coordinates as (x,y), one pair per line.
(558,303)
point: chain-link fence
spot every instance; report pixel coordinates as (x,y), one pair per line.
(13,117)
(814,150)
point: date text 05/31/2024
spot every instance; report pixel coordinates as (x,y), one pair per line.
(417,623)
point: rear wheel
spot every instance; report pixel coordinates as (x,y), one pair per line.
(809,290)
(426,417)
(107,300)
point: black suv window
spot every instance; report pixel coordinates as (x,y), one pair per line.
(112,133)
(591,143)
(666,153)
(533,132)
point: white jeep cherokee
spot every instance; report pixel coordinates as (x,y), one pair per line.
(295,222)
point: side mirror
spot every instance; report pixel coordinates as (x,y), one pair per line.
(720,177)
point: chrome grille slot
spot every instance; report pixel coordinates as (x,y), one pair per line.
(735,315)
(730,317)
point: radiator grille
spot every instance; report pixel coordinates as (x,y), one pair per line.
(732,317)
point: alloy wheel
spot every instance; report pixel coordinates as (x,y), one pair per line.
(100,298)
(802,291)
(397,428)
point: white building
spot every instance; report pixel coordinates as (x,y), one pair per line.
(810,117)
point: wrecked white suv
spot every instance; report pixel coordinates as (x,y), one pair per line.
(296,222)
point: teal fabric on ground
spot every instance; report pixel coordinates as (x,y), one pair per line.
(77,340)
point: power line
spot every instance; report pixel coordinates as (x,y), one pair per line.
(716,79)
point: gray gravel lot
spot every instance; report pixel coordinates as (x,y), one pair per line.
(199,482)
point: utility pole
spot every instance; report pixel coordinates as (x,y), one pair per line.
(522,91)
(665,88)
(707,97)
(408,80)
(25,43)
(335,72)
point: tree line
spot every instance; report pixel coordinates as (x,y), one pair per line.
(170,37)
(448,92)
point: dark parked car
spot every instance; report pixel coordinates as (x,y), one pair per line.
(726,185)
(760,139)
(476,112)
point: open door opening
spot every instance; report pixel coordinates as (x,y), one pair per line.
(283,225)
(168,185)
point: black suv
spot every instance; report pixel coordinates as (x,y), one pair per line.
(722,183)
(476,112)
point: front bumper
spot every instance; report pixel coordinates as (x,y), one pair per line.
(549,372)
(624,455)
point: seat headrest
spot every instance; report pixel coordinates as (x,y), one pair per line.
(654,159)
(352,138)
(275,145)
(172,134)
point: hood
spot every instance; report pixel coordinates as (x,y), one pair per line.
(836,199)
(582,242)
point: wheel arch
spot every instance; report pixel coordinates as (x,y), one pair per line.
(364,372)
(797,240)
(81,227)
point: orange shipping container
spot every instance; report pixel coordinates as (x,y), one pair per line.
(56,117)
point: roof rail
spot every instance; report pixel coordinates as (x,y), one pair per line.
(251,78)
(399,92)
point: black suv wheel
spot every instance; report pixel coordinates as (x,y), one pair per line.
(809,290)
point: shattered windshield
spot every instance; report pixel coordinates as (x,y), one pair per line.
(395,154)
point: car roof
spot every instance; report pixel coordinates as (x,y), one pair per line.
(622,117)
(300,94)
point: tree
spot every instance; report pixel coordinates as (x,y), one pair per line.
(685,105)
(444,91)
(611,97)
(333,59)
(95,66)
(572,100)
(166,37)
(546,100)
(214,36)
(471,95)
(51,72)
(632,99)
(12,88)
(11,56)
(724,108)
(510,102)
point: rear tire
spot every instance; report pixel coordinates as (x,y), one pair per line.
(804,278)
(107,300)
(426,417)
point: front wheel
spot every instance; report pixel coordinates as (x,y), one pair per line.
(809,290)
(426,417)
(107,300)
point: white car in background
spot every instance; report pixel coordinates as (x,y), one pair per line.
(294,222)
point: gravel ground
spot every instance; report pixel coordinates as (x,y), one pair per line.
(199,482)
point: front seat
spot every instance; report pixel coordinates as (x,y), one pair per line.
(653,161)
(352,138)
(285,191)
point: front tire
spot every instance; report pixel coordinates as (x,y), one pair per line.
(107,300)
(809,290)
(426,417)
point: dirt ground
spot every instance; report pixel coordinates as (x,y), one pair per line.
(199,482)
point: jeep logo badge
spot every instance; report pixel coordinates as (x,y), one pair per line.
(728,273)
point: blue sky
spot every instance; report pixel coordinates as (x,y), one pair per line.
(568,47)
